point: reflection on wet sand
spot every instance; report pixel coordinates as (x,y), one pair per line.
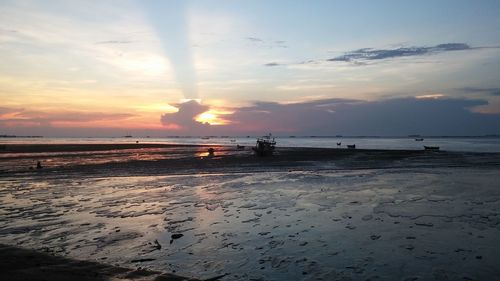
(22,161)
(214,152)
(270,226)
(355,217)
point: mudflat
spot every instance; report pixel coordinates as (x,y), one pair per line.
(22,264)
(303,214)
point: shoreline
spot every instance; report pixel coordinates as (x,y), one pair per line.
(158,159)
(87,147)
(77,147)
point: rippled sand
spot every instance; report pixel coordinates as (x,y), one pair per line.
(306,221)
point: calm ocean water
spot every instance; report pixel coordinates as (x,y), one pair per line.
(469,144)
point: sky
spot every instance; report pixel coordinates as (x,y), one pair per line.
(164,68)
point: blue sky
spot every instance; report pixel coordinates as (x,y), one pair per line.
(198,67)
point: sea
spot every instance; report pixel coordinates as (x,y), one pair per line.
(462,144)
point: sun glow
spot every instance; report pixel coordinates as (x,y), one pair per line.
(212,117)
(430,96)
(206,117)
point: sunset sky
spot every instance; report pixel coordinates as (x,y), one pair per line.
(160,68)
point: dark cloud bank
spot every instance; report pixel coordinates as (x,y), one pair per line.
(391,117)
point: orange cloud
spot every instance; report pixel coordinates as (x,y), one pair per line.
(65,118)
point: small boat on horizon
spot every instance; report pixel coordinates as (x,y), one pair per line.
(426,147)
(351,146)
(339,143)
(240,146)
(419,139)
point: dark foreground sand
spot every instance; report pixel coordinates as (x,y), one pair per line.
(303,214)
(18,264)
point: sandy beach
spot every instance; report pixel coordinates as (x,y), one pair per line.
(303,214)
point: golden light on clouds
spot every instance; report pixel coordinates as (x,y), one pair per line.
(206,117)
(430,96)
(213,117)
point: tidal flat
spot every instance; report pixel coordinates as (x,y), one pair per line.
(413,216)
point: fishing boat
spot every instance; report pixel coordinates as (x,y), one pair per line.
(419,139)
(431,147)
(240,146)
(351,146)
(265,146)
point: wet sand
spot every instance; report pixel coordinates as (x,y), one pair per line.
(65,147)
(304,214)
(159,159)
(18,264)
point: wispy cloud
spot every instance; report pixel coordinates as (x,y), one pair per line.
(6,30)
(15,116)
(115,42)
(369,54)
(254,39)
(272,64)
(267,43)
(490,91)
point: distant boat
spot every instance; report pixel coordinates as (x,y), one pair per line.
(127,136)
(339,143)
(419,139)
(431,147)
(264,146)
(205,138)
(233,140)
(240,146)
(351,146)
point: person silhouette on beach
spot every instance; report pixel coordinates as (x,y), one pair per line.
(38,165)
